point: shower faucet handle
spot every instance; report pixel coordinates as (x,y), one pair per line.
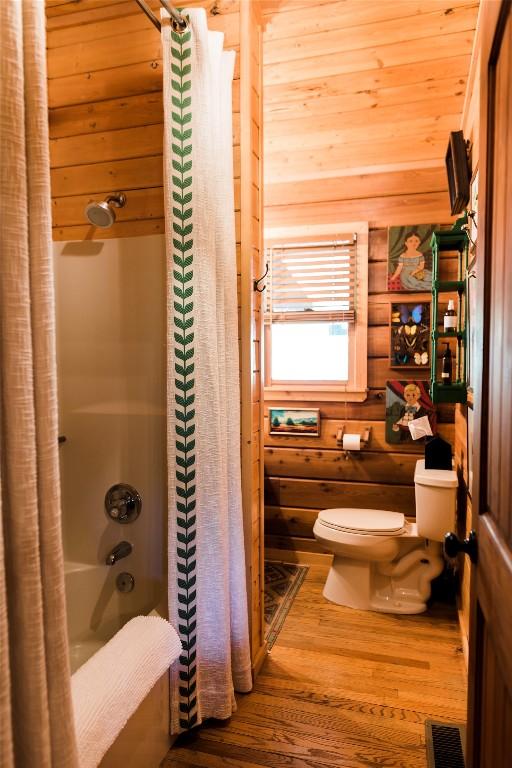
(119,510)
(123,503)
(123,549)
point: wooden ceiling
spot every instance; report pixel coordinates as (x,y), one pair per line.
(359,99)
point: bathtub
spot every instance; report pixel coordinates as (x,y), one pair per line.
(96,610)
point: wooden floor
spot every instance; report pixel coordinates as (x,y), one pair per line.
(340,688)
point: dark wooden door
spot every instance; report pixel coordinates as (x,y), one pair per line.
(490,665)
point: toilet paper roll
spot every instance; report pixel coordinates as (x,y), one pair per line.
(351,442)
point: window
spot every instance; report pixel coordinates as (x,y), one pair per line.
(316,316)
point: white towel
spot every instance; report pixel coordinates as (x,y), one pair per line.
(109,687)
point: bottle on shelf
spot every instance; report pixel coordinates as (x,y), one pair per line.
(450,317)
(446,370)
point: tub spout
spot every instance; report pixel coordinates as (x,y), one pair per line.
(123,549)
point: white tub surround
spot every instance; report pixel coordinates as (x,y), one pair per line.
(207,581)
(110,686)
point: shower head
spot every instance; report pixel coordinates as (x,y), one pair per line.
(103,214)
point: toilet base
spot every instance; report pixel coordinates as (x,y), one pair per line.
(397,587)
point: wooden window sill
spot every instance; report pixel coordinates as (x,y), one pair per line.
(315,393)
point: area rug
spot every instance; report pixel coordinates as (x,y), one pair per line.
(282,582)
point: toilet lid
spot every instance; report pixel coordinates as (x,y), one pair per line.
(374,521)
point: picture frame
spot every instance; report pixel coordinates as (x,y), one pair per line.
(402,397)
(410,258)
(294,421)
(409,335)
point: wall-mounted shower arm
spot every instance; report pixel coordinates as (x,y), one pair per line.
(179,23)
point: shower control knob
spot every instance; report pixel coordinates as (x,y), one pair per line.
(453,545)
(125,582)
(123,503)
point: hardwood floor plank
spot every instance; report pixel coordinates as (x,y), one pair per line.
(331,698)
(284,714)
(317,737)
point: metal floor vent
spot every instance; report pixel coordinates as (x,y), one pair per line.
(445,744)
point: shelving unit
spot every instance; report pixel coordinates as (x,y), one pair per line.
(451,240)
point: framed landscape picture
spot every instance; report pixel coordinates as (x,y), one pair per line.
(409,335)
(410,258)
(293,421)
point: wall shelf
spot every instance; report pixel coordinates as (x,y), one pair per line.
(449,334)
(452,240)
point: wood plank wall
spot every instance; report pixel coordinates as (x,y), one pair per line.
(106,112)
(305,474)
(106,134)
(359,100)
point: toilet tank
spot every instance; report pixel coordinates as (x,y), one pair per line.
(436,495)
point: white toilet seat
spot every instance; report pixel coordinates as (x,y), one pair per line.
(363,522)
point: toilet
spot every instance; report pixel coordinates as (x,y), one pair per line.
(382,562)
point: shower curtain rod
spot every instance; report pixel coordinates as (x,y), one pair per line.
(173,13)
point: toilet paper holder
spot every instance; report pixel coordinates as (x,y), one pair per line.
(365,436)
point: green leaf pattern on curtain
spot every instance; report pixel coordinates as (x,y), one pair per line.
(183,302)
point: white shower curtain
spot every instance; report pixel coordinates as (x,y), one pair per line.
(207,586)
(36,718)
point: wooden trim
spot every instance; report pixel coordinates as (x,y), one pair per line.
(464,638)
(257,100)
(473,73)
(259,660)
(250,318)
(245,304)
(354,389)
(327,394)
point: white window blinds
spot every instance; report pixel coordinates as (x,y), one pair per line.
(312,281)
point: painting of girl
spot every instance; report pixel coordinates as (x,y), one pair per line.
(410,258)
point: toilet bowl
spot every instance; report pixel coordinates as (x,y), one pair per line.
(381,561)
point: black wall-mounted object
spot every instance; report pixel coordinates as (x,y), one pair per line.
(438,453)
(459,172)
